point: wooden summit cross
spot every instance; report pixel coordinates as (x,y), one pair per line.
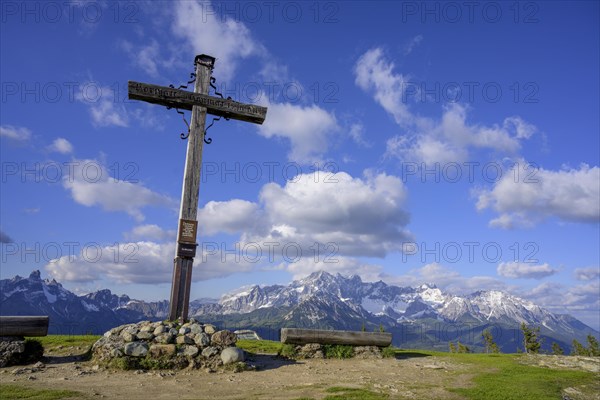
(200,103)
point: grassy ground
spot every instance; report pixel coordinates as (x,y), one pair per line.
(60,342)
(495,376)
(503,377)
(260,346)
(343,393)
(489,376)
(77,346)
(19,392)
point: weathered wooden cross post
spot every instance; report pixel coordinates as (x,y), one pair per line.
(200,104)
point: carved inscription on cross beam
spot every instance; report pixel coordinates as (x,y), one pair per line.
(185,100)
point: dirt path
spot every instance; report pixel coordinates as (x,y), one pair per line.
(412,377)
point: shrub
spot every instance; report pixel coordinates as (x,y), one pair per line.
(388,352)
(288,350)
(124,363)
(338,351)
(158,363)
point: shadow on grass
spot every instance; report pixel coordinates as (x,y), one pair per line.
(65,359)
(265,362)
(410,354)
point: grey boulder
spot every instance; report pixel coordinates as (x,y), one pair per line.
(232,355)
(135,349)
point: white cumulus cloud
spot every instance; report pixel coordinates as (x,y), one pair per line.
(145,57)
(103,104)
(355,216)
(447,279)
(357,133)
(581,301)
(447,139)
(412,44)
(17,133)
(90,184)
(335,264)
(526,195)
(141,262)
(231,216)
(525,270)
(376,74)
(61,145)
(451,138)
(587,274)
(150,232)
(226,39)
(308,129)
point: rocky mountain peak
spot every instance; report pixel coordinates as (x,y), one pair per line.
(428,285)
(35,275)
(318,276)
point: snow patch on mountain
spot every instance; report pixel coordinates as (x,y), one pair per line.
(89,307)
(49,296)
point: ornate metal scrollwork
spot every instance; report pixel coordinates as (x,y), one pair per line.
(193,80)
(184,135)
(213,80)
(193,77)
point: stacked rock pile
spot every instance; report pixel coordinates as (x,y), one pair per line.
(167,345)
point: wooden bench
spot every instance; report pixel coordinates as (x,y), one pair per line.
(24,326)
(353,338)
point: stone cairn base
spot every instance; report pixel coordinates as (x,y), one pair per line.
(167,345)
(316,350)
(14,350)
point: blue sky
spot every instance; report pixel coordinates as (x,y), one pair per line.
(454,143)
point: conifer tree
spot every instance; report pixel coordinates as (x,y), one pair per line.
(462,348)
(593,349)
(490,345)
(557,350)
(577,349)
(452,347)
(531,342)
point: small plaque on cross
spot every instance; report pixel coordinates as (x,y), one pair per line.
(187,231)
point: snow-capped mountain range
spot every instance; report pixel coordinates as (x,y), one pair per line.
(396,305)
(319,300)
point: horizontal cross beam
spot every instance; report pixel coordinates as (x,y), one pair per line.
(184,100)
